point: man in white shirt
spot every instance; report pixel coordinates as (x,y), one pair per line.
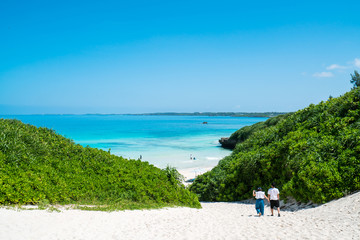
(274,196)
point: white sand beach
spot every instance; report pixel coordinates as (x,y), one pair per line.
(339,219)
(190,173)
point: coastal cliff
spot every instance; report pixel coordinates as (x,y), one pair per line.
(227,143)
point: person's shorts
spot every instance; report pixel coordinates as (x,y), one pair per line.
(274,203)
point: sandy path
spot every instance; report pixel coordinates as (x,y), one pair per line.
(336,220)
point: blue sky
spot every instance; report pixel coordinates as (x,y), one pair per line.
(182,56)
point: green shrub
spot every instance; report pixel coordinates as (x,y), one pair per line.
(39,166)
(312,155)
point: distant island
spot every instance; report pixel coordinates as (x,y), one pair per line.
(220,114)
(208,114)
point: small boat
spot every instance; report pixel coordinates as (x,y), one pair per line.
(205,123)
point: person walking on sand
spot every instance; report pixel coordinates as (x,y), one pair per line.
(259,205)
(274,196)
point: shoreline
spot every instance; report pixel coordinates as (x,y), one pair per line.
(190,173)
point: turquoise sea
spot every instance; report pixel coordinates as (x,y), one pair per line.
(160,140)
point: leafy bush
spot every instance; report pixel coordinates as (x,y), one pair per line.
(39,166)
(312,155)
(244,133)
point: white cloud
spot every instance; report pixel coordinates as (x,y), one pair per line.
(335,66)
(357,62)
(323,74)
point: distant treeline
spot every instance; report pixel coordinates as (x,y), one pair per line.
(208,114)
(220,114)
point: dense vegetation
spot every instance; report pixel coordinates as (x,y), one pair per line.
(312,155)
(244,133)
(37,165)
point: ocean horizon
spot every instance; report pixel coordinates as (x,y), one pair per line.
(183,142)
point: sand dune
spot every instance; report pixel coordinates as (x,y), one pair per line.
(338,219)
